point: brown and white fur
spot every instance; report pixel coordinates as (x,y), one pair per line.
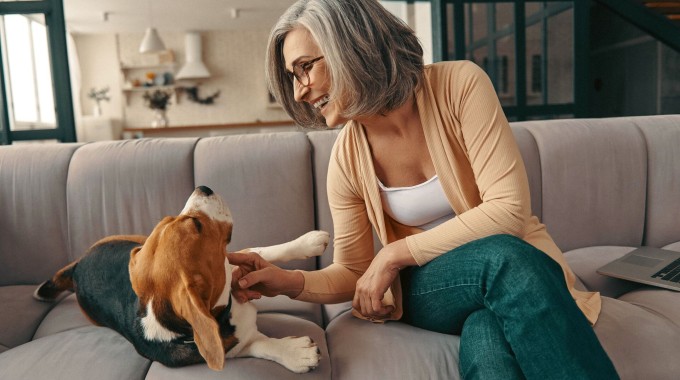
(169,293)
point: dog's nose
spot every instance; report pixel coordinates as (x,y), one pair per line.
(205,190)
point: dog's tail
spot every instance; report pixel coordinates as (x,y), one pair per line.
(49,290)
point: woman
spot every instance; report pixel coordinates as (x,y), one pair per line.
(427,159)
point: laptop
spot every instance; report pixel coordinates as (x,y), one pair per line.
(647,265)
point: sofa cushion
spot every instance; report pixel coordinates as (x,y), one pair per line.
(586,261)
(126,187)
(532,162)
(273,325)
(266,179)
(673,246)
(21,314)
(585,167)
(662,303)
(394,350)
(33,212)
(662,135)
(83,353)
(65,315)
(283,304)
(322,144)
(641,343)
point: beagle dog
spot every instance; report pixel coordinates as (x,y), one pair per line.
(169,294)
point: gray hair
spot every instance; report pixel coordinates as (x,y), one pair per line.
(374,59)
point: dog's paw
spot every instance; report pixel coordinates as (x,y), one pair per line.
(313,243)
(301,354)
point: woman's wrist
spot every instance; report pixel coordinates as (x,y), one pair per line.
(398,255)
(295,282)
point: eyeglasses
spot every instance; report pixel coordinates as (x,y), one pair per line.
(301,71)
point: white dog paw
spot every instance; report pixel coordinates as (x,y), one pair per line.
(301,354)
(313,243)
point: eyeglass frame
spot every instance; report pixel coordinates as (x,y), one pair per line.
(305,68)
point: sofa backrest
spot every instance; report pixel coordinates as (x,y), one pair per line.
(266,179)
(33,217)
(126,187)
(594,175)
(662,137)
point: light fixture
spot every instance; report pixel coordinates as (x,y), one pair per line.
(193,66)
(151,43)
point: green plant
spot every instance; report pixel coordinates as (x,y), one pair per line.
(99,95)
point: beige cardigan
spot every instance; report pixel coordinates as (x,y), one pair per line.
(479,165)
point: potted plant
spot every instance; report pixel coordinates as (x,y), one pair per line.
(98,96)
(158,101)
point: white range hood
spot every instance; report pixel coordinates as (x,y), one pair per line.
(193,67)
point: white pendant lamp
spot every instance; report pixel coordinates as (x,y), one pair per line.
(151,43)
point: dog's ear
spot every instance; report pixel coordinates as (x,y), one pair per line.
(206,331)
(133,257)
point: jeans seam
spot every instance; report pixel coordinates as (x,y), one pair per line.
(432,290)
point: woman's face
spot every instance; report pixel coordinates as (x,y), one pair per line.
(299,48)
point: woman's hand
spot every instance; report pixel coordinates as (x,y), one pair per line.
(371,287)
(253,277)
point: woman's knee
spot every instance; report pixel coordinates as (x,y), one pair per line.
(508,249)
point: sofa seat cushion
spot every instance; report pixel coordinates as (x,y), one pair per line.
(66,315)
(673,246)
(331,311)
(394,350)
(586,261)
(273,325)
(21,315)
(662,303)
(283,304)
(641,342)
(84,353)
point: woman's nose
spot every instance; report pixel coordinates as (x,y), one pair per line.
(299,91)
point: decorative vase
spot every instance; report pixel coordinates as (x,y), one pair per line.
(97,110)
(160,119)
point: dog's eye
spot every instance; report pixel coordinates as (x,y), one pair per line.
(197,224)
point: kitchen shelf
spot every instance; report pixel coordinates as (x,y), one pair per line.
(171,87)
(127,91)
(167,66)
(130,73)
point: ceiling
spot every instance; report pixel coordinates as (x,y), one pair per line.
(134,16)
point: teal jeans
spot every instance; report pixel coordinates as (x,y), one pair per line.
(510,305)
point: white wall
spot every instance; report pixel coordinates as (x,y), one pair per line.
(235,60)
(99,68)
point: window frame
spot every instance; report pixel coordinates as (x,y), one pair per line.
(53,11)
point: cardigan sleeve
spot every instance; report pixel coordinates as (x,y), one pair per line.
(495,161)
(353,238)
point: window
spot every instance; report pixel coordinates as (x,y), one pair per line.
(28,76)
(536,75)
(503,85)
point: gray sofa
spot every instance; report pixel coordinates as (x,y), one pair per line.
(602,186)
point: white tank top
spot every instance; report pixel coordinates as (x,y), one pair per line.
(424,205)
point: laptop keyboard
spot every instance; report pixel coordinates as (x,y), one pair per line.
(670,272)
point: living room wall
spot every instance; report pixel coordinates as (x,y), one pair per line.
(235,60)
